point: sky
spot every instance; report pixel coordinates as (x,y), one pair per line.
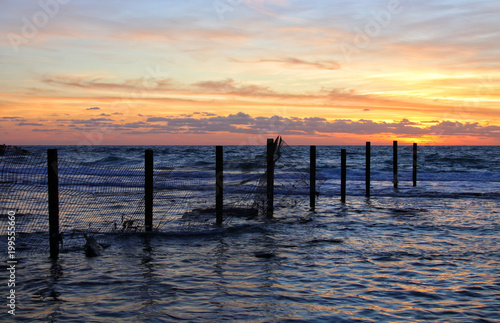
(234,72)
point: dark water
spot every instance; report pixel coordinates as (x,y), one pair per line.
(430,253)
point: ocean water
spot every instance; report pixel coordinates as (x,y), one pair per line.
(412,254)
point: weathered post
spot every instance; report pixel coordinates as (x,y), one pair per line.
(312,177)
(414,164)
(270,177)
(343,176)
(148,190)
(219,184)
(395,163)
(53,196)
(368,168)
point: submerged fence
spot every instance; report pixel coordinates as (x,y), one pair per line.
(57,201)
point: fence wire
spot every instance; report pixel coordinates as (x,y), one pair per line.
(103,200)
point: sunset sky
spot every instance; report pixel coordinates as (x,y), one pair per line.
(239,71)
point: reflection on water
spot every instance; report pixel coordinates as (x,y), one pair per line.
(387,260)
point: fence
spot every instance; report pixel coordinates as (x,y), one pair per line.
(58,201)
(98,200)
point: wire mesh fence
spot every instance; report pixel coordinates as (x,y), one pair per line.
(104,200)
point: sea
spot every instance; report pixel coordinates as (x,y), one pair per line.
(429,252)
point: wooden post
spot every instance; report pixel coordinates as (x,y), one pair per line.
(53,196)
(148,190)
(414,164)
(312,178)
(219,184)
(395,163)
(343,177)
(368,168)
(270,177)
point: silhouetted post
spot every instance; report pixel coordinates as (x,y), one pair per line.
(270,177)
(53,195)
(148,190)
(219,184)
(343,176)
(395,163)
(368,168)
(312,184)
(414,164)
